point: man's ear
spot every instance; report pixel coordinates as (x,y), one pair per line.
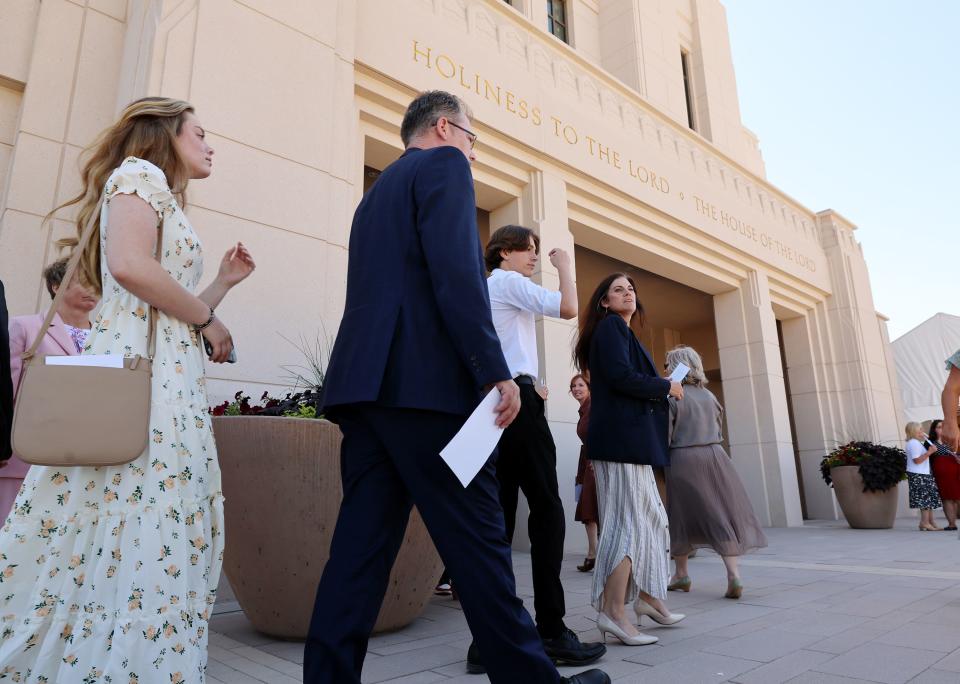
(442,132)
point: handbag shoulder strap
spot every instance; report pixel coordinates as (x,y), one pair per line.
(71,271)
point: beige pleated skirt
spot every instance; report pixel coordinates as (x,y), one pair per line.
(633,524)
(707,505)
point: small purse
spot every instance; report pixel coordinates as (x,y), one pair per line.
(83,415)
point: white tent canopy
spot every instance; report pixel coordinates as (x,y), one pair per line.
(919,357)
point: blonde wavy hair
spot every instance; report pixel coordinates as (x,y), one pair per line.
(146,129)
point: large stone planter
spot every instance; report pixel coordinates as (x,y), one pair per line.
(281,481)
(863,510)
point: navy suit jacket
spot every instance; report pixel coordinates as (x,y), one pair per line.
(417,330)
(628,399)
(6,386)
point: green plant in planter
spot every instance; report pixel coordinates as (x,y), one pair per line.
(881,467)
(296,404)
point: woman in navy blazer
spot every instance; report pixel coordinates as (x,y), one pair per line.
(627,435)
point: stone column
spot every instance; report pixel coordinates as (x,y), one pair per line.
(761,443)
(865,381)
(70,70)
(814,410)
(542,206)
(859,345)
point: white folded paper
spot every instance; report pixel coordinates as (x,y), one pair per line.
(471,447)
(98,360)
(679,373)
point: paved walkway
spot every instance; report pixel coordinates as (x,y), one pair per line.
(823,604)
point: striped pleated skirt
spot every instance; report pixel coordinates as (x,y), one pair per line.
(633,524)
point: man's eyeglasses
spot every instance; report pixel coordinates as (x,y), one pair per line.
(470,134)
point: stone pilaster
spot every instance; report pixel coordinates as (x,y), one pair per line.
(815,408)
(859,344)
(761,443)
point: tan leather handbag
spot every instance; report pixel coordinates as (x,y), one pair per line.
(83,415)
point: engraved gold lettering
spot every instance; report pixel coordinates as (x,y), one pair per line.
(490,88)
(447,62)
(465,85)
(537,116)
(556,125)
(417,52)
(510,102)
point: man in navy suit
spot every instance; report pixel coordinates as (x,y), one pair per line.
(415,350)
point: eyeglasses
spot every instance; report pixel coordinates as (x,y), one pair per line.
(470,134)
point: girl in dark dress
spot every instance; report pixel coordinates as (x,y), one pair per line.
(586,483)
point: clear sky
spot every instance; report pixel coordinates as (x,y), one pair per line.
(856,104)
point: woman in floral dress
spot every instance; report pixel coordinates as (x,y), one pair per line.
(109,574)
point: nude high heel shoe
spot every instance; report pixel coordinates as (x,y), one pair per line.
(606,625)
(641,607)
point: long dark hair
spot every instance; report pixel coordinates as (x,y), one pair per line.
(934,424)
(596,312)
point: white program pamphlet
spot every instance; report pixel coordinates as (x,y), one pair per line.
(471,447)
(679,373)
(98,360)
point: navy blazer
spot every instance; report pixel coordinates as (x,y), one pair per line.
(628,399)
(417,330)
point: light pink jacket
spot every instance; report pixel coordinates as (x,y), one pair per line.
(57,342)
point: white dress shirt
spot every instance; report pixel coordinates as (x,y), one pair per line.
(516,301)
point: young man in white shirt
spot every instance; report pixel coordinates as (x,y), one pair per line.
(527,457)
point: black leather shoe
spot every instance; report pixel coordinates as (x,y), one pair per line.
(474,664)
(588,677)
(566,649)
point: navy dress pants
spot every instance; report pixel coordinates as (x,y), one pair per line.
(390,460)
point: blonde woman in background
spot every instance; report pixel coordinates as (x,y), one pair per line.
(923,486)
(706,503)
(111,573)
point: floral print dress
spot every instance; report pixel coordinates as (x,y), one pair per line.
(108,575)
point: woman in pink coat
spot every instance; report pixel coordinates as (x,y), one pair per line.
(66,335)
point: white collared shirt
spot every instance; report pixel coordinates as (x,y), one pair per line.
(515,302)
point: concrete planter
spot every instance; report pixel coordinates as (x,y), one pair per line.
(281,481)
(863,510)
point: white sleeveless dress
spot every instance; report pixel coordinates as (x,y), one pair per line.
(109,575)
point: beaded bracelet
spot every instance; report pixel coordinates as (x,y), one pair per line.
(198,328)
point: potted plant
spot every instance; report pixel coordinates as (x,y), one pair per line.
(865,476)
(280,464)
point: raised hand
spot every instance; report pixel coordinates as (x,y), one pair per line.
(236,265)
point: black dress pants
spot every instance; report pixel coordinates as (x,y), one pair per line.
(528,462)
(390,460)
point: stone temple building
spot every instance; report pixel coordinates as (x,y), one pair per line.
(612,127)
